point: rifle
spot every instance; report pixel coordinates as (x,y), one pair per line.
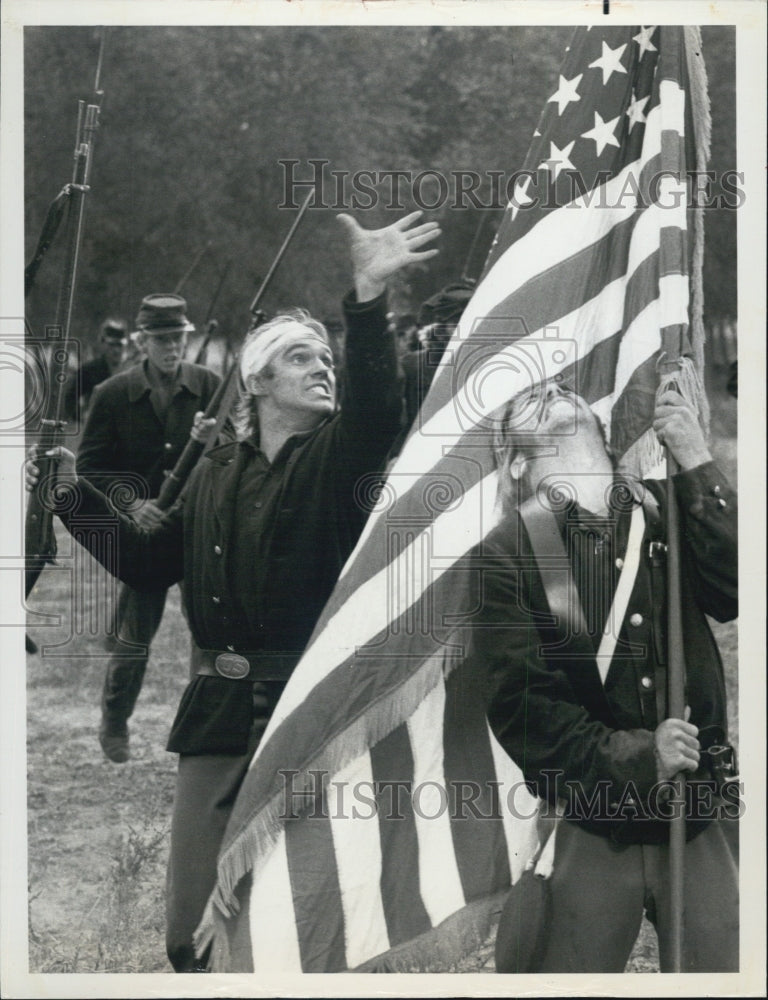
(209,322)
(40,541)
(188,273)
(472,247)
(224,396)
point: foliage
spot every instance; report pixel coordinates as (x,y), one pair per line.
(196,121)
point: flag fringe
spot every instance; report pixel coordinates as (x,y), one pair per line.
(642,456)
(439,949)
(702,131)
(262,831)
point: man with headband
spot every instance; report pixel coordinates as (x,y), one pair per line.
(260,537)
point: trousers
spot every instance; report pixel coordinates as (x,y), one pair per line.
(137,618)
(206,789)
(600,890)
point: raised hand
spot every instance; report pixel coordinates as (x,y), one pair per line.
(378,253)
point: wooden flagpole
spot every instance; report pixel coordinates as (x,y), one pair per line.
(675,369)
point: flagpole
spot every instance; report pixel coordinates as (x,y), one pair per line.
(675,710)
(675,370)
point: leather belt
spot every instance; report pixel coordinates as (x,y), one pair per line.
(242,666)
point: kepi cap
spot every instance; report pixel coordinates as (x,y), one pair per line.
(163,312)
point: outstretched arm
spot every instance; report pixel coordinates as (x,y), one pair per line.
(143,558)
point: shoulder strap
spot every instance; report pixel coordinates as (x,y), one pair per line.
(554,568)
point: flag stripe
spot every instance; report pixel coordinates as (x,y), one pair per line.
(239,934)
(518,809)
(357,852)
(274,939)
(481,847)
(315,886)
(439,879)
(392,761)
(358,622)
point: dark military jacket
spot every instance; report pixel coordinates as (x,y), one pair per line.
(315,519)
(576,739)
(125,441)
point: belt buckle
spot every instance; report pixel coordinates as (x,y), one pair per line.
(232,666)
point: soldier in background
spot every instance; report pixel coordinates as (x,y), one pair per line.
(136,430)
(113,339)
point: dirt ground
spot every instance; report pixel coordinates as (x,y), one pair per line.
(98,832)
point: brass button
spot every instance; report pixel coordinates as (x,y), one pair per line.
(217,549)
(216,600)
(716,490)
(231,649)
(636,619)
(619,563)
(647,683)
(721,503)
(168,446)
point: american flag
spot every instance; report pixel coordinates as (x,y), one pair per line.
(353,843)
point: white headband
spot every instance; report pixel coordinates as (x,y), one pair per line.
(260,350)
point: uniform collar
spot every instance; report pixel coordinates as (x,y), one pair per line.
(625,494)
(189,377)
(251,444)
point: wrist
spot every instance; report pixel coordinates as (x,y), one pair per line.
(694,458)
(368,288)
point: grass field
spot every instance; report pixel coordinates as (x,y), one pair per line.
(98,832)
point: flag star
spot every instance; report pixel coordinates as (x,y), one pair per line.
(609,62)
(520,196)
(635,110)
(602,133)
(566,92)
(558,159)
(643,39)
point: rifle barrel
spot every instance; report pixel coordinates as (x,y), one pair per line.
(40,540)
(190,270)
(222,399)
(280,254)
